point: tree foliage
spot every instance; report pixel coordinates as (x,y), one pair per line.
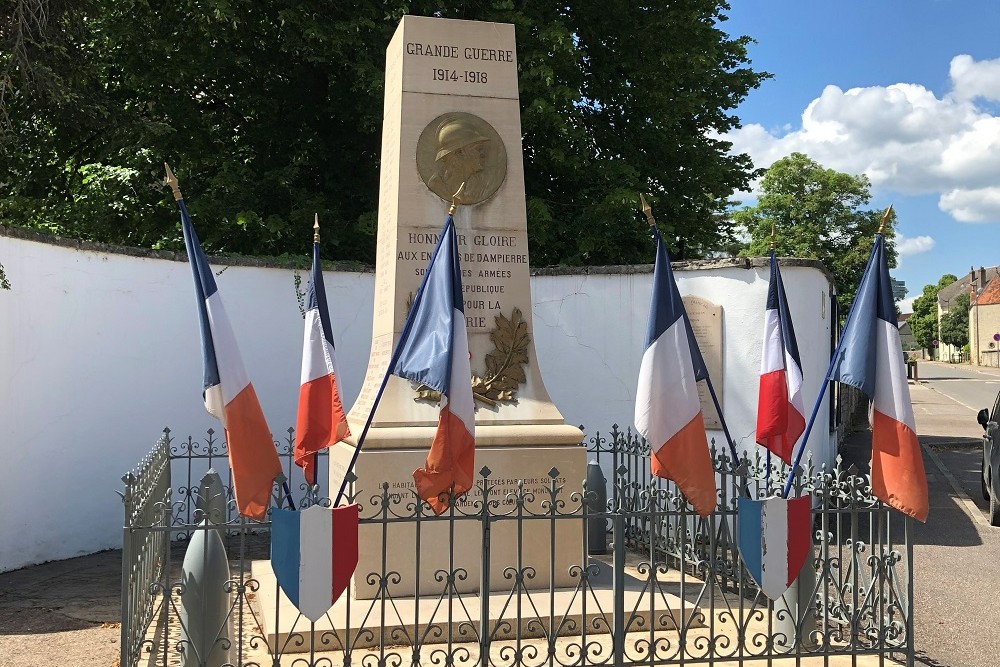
(817,213)
(923,321)
(955,323)
(271,110)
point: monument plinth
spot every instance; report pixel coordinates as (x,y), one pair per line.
(451,117)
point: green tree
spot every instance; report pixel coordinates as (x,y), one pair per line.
(271,110)
(923,321)
(955,324)
(817,213)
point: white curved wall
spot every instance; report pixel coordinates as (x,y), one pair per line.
(99,351)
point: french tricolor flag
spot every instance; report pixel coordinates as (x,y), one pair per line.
(871,359)
(229,395)
(667,410)
(780,416)
(321,421)
(434,351)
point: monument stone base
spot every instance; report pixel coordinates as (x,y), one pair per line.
(459,616)
(421,552)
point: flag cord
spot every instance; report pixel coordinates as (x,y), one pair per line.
(403,336)
(823,386)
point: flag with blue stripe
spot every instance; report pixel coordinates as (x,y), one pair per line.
(434,351)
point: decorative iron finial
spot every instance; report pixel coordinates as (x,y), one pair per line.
(774,235)
(454,199)
(885,218)
(171,180)
(647,210)
(316,228)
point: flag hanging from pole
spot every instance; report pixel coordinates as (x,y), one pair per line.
(780,415)
(229,395)
(667,409)
(871,360)
(321,421)
(435,352)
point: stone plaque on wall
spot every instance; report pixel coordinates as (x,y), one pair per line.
(706,322)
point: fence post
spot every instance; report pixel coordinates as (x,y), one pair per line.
(618,586)
(125,650)
(484,576)
(908,536)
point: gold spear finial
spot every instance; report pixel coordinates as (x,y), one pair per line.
(316,228)
(647,210)
(454,199)
(774,235)
(171,180)
(885,218)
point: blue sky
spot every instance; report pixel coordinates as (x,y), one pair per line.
(906,92)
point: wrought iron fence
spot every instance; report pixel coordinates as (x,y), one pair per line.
(504,578)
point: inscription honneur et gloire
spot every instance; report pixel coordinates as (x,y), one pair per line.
(483,288)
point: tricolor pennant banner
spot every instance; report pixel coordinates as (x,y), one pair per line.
(780,415)
(667,409)
(314,554)
(434,351)
(321,421)
(775,540)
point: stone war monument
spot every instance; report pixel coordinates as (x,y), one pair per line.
(451,117)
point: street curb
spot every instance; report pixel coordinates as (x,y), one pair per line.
(968,505)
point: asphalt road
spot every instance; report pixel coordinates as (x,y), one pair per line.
(956,552)
(973,389)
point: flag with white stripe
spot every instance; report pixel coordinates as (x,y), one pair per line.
(229,395)
(321,421)
(871,359)
(667,409)
(435,352)
(780,415)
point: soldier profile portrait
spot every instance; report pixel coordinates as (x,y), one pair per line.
(458,148)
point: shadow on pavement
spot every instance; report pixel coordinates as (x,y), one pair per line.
(947,523)
(74,594)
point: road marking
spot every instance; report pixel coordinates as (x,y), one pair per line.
(950,397)
(967,504)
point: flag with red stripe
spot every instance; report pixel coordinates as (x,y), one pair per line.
(229,395)
(780,415)
(321,421)
(435,352)
(667,409)
(871,359)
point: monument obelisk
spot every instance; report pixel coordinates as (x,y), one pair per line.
(452,116)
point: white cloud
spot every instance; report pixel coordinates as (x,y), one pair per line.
(913,246)
(972,79)
(904,138)
(979,205)
(906,305)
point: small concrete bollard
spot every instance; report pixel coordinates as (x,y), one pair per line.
(597,526)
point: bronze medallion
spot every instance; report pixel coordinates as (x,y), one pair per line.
(458,148)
